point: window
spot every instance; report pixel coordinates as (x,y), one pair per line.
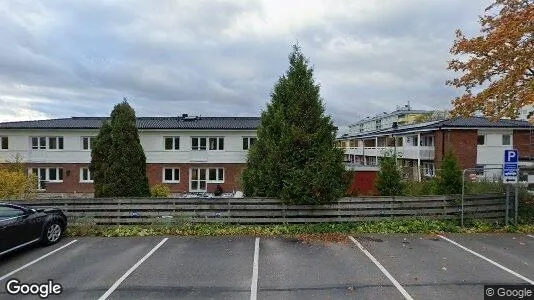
(171,175)
(47,175)
(506,139)
(85,175)
(427,140)
(198,143)
(4,143)
(216,175)
(429,169)
(481,139)
(9,212)
(88,142)
(216,143)
(172,143)
(248,142)
(43,142)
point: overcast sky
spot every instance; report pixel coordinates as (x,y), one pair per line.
(222,58)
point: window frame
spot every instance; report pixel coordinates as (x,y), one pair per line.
(509,139)
(174,145)
(89,176)
(483,140)
(174,180)
(219,172)
(90,142)
(203,143)
(44,143)
(248,143)
(2,139)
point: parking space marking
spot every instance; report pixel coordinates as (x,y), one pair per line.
(123,277)
(488,260)
(254,283)
(377,263)
(532,236)
(36,260)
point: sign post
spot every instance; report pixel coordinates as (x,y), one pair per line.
(510,172)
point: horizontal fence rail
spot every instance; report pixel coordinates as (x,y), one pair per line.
(265,210)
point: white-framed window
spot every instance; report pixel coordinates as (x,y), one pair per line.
(207,143)
(47,175)
(481,139)
(216,175)
(216,143)
(171,143)
(85,175)
(248,142)
(506,139)
(198,143)
(88,142)
(4,143)
(429,169)
(171,175)
(50,143)
(427,140)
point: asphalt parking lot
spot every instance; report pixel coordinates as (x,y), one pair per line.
(365,267)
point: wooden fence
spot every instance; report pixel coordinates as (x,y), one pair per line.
(261,210)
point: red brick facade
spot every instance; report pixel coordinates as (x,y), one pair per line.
(522,142)
(71,177)
(462,142)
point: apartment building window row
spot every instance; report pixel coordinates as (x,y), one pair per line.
(4,143)
(47,175)
(44,143)
(248,142)
(88,142)
(207,143)
(85,175)
(172,143)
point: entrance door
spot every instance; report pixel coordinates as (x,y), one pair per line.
(198,180)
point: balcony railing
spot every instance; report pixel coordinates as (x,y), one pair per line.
(411,152)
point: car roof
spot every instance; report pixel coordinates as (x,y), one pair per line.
(13,205)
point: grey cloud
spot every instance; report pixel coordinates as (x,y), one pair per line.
(174,57)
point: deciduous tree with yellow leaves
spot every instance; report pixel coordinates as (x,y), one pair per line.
(497,67)
(15,183)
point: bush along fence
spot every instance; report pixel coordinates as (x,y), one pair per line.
(261,210)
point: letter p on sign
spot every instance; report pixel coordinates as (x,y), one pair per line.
(510,156)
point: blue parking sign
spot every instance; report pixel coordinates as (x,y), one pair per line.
(511,156)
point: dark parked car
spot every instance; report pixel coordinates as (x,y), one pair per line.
(21,226)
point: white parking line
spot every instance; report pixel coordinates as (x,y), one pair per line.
(488,260)
(371,257)
(36,260)
(532,236)
(254,284)
(116,284)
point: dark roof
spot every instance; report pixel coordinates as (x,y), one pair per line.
(232,123)
(470,122)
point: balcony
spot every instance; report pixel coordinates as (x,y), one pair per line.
(410,152)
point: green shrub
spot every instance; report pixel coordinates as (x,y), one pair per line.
(389,181)
(450,175)
(484,187)
(160,191)
(422,188)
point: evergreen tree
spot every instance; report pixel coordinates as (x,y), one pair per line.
(119,162)
(100,161)
(295,158)
(389,181)
(450,175)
